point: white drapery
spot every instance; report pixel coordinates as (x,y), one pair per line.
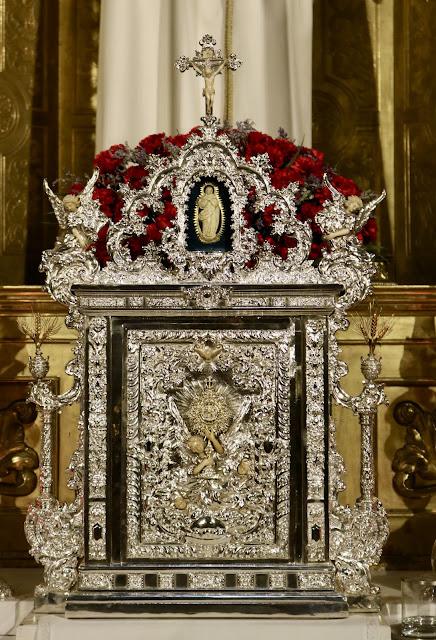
(140,92)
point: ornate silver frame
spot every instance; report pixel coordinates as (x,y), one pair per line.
(341,543)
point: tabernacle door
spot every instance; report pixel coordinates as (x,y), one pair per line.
(207,450)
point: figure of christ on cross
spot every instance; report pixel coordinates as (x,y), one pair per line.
(208,63)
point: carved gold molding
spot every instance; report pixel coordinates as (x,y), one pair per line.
(18,30)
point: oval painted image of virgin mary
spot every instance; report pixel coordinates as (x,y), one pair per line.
(209,216)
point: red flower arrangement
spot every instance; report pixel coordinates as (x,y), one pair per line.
(289,163)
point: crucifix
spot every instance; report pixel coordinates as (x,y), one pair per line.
(208,63)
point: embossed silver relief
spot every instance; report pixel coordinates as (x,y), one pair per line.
(97,407)
(211,156)
(197,580)
(53,529)
(316,581)
(97,530)
(204,445)
(358,533)
(235,392)
(315,408)
(205,297)
(95,580)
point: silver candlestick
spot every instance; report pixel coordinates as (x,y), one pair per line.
(49,522)
(363,528)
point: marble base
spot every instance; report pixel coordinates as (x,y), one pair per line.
(53,627)
(12,613)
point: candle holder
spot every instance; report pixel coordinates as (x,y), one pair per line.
(362,529)
(53,529)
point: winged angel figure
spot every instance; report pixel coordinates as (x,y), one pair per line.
(79,215)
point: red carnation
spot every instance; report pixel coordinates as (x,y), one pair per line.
(308,166)
(99,246)
(166,195)
(248,218)
(267,218)
(135,176)
(170,210)
(369,232)
(153,233)
(345,185)
(309,210)
(282,252)
(144,212)
(153,144)
(76,188)
(163,222)
(289,241)
(315,251)
(322,194)
(111,159)
(178,141)
(136,245)
(281,178)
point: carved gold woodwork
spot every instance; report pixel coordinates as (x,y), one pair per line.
(373,97)
(48,79)
(63,125)
(415,133)
(15,303)
(18,29)
(414,463)
(78,33)
(345,123)
(18,460)
(409,374)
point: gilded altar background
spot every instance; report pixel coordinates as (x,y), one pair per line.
(373,97)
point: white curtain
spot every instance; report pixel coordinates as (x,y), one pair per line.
(140,92)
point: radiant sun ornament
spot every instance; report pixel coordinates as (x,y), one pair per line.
(208,409)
